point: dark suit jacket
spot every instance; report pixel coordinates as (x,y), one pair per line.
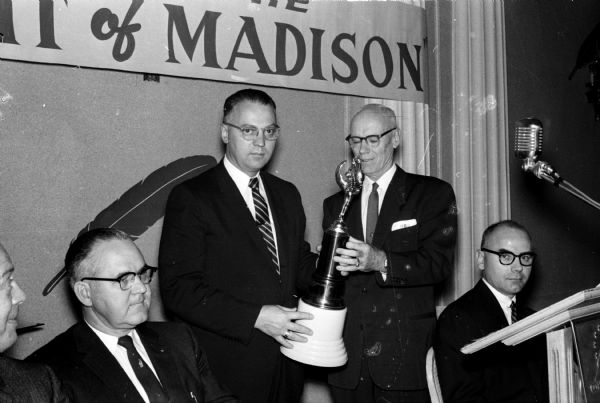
(216,274)
(497,373)
(92,374)
(393,319)
(24,382)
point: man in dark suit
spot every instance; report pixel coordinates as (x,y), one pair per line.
(403,234)
(497,373)
(233,258)
(114,355)
(20,381)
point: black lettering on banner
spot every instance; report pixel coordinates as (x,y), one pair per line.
(317,71)
(281,49)
(7,27)
(208,25)
(124,32)
(344,57)
(388,62)
(291,4)
(249,32)
(47,25)
(414,71)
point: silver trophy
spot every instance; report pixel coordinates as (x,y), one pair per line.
(325,347)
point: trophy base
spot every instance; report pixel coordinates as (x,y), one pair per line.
(325,348)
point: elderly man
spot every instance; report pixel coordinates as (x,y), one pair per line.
(403,230)
(20,381)
(497,373)
(114,355)
(233,258)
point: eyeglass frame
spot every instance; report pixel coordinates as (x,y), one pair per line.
(372,139)
(505,252)
(121,277)
(258,130)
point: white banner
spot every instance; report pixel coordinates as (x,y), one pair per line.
(371,49)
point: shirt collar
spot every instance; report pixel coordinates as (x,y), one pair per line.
(240,178)
(503,300)
(383,182)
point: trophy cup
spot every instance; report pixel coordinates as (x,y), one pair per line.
(325,347)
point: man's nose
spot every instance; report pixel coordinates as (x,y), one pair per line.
(139,286)
(260,138)
(18,295)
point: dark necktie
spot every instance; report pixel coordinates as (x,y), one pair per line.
(261,215)
(513,312)
(144,374)
(372,212)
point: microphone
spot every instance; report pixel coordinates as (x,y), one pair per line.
(528,147)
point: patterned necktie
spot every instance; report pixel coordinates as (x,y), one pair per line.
(372,212)
(261,216)
(513,312)
(144,374)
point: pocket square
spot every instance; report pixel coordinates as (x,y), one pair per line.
(404,224)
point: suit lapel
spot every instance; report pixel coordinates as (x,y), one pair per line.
(103,364)
(490,306)
(238,210)
(162,359)
(395,198)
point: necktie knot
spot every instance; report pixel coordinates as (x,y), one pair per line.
(127,342)
(253,183)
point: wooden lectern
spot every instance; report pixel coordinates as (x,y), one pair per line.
(572,328)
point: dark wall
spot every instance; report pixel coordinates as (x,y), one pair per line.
(543,39)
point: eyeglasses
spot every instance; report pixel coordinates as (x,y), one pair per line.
(372,140)
(506,257)
(126,280)
(250,133)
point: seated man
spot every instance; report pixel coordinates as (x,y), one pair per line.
(114,355)
(497,373)
(20,381)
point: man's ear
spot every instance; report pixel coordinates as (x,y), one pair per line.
(224,133)
(82,292)
(480,260)
(396,140)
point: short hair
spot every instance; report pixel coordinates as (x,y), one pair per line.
(379,109)
(247,94)
(502,224)
(81,248)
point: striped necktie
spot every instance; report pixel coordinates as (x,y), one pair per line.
(513,312)
(261,216)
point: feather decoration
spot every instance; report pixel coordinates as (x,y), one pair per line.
(144,203)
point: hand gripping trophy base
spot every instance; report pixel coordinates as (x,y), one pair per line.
(325,347)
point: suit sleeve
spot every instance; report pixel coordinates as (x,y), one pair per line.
(186,288)
(213,391)
(423,254)
(458,381)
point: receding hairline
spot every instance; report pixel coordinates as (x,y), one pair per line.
(381,111)
(505,224)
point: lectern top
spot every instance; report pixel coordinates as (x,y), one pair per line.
(581,304)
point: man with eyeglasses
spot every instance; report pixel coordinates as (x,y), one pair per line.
(497,373)
(403,234)
(114,354)
(233,258)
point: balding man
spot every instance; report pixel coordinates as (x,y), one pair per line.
(403,231)
(20,381)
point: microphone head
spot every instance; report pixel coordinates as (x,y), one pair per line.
(528,138)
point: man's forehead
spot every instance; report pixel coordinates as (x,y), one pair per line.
(368,120)
(509,238)
(116,254)
(6,264)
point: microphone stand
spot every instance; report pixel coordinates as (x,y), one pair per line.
(545,171)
